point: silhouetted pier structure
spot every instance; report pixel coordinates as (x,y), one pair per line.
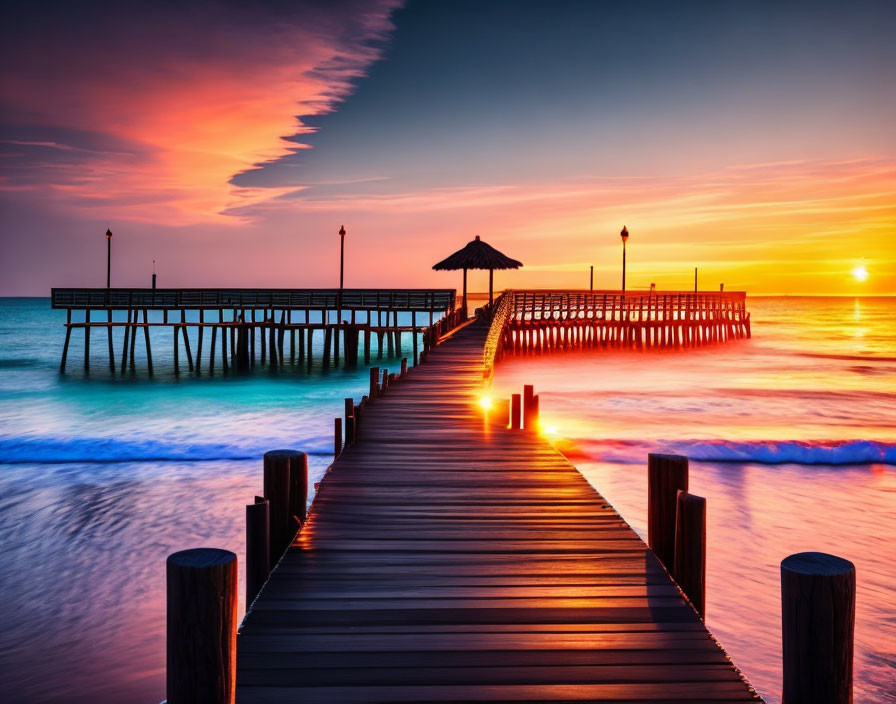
(254,325)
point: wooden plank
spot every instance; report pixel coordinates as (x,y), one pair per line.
(445,560)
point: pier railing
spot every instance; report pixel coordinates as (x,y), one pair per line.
(494,342)
(536,321)
(640,305)
(243,298)
(246,319)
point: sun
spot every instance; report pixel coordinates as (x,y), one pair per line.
(860,273)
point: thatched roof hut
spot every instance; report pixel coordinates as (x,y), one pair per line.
(478,255)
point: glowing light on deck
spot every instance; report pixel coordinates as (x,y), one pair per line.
(485,403)
(860,273)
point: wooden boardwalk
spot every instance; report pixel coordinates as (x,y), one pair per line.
(445,560)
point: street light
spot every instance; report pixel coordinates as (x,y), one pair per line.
(108,258)
(341,271)
(624,236)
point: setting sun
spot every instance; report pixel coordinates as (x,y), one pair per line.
(860,273)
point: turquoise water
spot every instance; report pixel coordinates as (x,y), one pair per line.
(101,477)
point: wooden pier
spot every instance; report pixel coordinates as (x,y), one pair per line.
(253,325)
(446,558)
(544,321)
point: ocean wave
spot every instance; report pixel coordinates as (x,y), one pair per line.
(759,451)
(48,450)
(847,357)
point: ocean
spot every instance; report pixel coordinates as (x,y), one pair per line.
(792,437)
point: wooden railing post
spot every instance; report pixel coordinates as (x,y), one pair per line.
(666,474)
(374,382)
(298,491)
(690,549)
(337,437)
(818,605)
(201,622)
(258,547)
(349,421)
(515,412)
(528,407)
(501,414)
(286,488)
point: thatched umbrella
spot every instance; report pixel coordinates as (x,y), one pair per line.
(478,255)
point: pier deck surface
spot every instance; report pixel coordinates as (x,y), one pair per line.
(445,561)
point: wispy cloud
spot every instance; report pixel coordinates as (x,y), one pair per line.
(199,93)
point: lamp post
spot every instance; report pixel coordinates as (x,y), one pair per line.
(108,259)
(341,270)
(624,236)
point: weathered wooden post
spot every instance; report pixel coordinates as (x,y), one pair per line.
(349,422)
(374,382)
(337,437)
(298,491)
(666,474)
(818,607)
(201,621)
(690,548)
(515,412)
(528,407)
(404,366)
(277,484)
(385,384)
(501,414)
(258,546)
(356,418)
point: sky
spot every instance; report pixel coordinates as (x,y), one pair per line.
(230,141)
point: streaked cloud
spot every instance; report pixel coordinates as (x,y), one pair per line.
(159,106)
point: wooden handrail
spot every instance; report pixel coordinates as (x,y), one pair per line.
(494,342)
(439,300)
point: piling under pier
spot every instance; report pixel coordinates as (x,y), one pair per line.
(266,326)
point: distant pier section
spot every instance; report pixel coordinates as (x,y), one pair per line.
(541,321)
(249,325)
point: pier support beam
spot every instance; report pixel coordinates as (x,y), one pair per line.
(68,337)
(109,338)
